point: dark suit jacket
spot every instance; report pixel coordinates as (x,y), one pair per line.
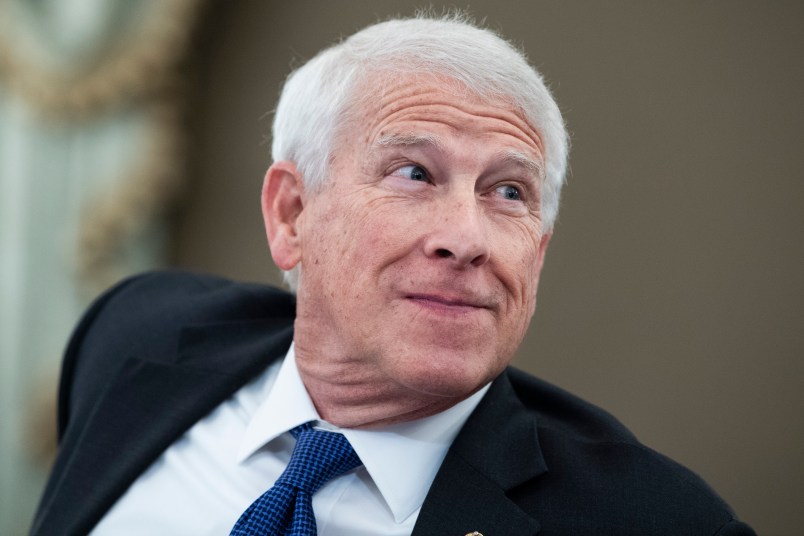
(158,352)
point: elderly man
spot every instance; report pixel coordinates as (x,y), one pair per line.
(416,179)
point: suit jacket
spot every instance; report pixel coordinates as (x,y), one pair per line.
(158,352)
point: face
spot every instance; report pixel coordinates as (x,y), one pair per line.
(421,255)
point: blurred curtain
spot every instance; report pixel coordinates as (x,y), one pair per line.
(91,156)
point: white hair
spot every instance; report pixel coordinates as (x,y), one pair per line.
(317,98)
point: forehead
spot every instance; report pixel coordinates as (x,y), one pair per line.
(415,106)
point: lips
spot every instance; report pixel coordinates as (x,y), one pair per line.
(449,302)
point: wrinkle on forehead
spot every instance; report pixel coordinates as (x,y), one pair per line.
(471,118)
(429,97)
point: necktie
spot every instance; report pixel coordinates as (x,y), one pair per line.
(287,509)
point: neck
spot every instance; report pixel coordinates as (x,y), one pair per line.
(348,392)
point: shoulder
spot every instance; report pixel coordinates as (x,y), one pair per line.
(144,316)
(600,475)
(194,297)
(564,413)
(151,308)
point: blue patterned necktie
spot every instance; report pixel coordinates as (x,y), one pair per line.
(287,508)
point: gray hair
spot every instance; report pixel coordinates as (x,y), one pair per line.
(317,98)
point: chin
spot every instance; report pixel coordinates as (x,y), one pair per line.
(448,378)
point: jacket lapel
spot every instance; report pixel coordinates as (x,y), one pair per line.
(213,362)
(497,449)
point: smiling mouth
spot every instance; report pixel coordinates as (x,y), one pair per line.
(447,304)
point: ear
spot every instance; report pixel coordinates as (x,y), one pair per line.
(282,203)
(543,243)
(540,254)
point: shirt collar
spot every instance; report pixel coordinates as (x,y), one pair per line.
(285,405)
(402,459)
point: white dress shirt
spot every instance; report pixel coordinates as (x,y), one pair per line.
(203,482)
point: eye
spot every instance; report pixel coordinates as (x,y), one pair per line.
(414,173)
(509,192)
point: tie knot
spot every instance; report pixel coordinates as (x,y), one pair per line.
(318,456)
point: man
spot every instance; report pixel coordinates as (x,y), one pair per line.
(416,177)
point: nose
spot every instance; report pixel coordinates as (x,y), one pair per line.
(459,234)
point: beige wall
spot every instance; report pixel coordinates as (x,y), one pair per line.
(673,291)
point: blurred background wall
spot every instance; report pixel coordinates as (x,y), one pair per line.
(672,294)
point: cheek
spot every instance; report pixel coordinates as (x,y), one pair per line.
(355,250)
(517,248)
(518,271)
(386,233)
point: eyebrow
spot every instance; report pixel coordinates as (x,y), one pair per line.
(508,156)
(395,140)
(520,159)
